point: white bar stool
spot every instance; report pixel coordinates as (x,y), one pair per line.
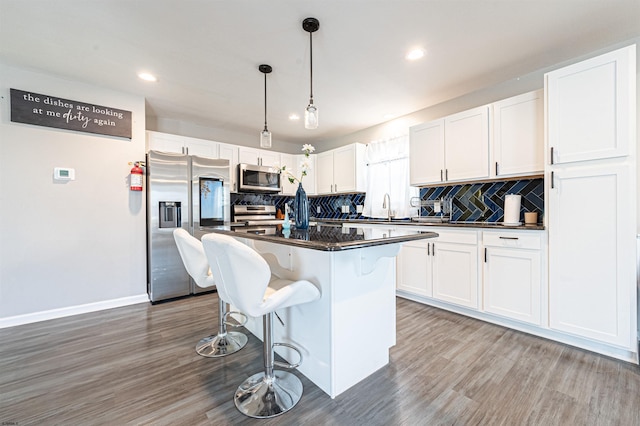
(245,280)
(225,342)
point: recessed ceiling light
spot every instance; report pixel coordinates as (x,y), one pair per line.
(414,54)
(147,77)
(294,117)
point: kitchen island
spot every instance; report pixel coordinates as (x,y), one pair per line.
(346,335)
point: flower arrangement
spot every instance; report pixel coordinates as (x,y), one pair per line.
(305,165)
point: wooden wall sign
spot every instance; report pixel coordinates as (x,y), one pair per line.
(51,111)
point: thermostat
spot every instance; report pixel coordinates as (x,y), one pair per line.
(64,173)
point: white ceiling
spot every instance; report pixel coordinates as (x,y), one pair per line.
(206,52)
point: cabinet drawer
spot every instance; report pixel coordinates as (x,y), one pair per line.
(459,237)
(512,239)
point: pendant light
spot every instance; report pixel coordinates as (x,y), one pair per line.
(311,25)
(265,134)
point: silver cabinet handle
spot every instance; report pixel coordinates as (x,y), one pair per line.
(551,155)
(428,249)
(446,174)
(433,249)
(508,238)
(496,168)
(441,177)
(552,186)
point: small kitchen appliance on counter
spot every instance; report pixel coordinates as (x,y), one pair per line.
(441,207)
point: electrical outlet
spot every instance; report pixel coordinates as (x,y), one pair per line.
(319,210)
(359,208)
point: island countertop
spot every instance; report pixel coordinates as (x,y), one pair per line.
(329,237)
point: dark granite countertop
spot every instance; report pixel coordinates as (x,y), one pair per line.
(455,224)
(329,237)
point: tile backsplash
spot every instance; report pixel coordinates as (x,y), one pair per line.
(471,202)
(485,201)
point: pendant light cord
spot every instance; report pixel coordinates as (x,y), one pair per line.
(265,102)
(311,65)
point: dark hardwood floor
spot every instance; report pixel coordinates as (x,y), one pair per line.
(137,365)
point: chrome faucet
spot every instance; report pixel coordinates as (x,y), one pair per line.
(386,204)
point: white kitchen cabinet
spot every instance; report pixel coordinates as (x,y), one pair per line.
(518,136)
(289,161)
(164,142)
(258,157)
(426,147)
(591,107)
(591,189)
(455,268)
(309,181)
(230,152)
(466,149)
(443,268)
(592,275)
(414,268)
(455,148)
(341,170)
(512,284)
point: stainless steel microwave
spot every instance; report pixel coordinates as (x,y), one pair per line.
(252,178)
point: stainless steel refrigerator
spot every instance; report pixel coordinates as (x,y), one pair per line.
(183,191)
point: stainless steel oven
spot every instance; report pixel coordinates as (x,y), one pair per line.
(252,178)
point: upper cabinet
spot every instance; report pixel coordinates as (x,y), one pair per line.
(164,142)
(426,142)
(341,170)
(455,148)
(589,108)
(258,157)
(504,139)
(518,136)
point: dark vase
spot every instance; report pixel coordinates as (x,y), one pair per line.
(301,208)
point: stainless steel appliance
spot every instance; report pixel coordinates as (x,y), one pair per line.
(183,191)
(259,219)
(252,178)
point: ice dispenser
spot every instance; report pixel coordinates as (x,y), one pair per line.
(169,214)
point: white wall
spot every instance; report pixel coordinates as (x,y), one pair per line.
(75,246)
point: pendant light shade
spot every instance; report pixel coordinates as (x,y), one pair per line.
(265,134)
(311,25)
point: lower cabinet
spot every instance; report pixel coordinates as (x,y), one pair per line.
(443,268)
(414,268)
(512,285)
(455,269)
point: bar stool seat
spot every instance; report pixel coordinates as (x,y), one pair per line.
(196,263)
(246,281)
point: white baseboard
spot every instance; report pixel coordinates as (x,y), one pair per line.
(72,310)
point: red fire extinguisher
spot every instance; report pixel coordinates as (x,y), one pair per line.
(136,177)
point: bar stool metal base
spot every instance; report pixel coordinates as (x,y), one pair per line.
(262,397)
(221,344)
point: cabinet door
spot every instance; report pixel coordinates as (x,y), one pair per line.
(269,158)
(512,283)
(455,273)
(589,108)
(324,174)
(344,169)
(518,135)
(230,152)
(165,142)
(248,155)
(201,147)
(309,181)
(426,159)
(288,161)
(466,153)
(592,246)
(414,268)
